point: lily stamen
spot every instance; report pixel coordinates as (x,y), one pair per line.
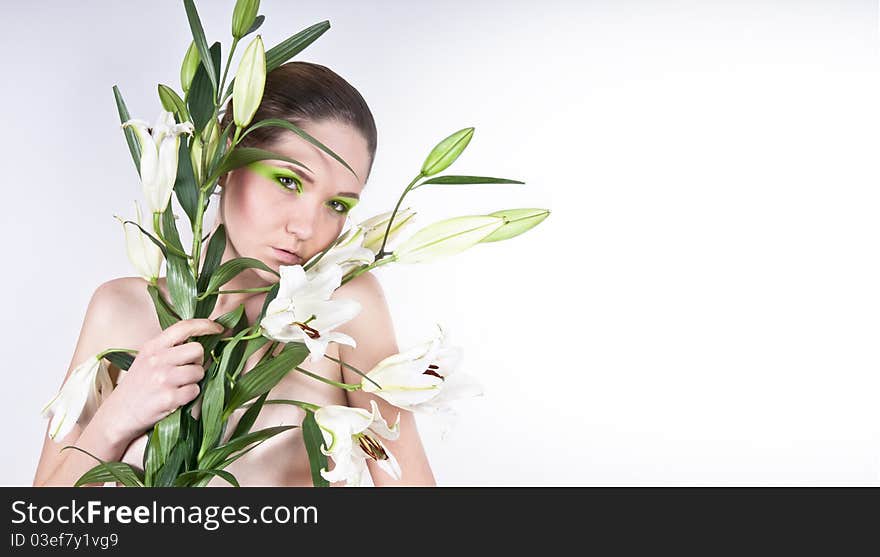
(372,447)
(313,333)
(432,371)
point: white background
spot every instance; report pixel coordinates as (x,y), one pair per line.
(701,308)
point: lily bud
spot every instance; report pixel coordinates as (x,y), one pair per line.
(446,237)
(190,65)
(195,157)
(159,148)
(243,17)
(516,221)
(142,252)
(445,153)
(374,227)
(250,80)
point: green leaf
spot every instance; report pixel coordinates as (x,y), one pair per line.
(172,102)
(275,122)
(172,466)
(227,271)
(212,408)
(218,454)
(213,256)
(467,180)
(170,232)
(167,316)
(200,98)
(133,146)
(168,430)
(265,375)
(183,479)
(219,153)
(447,151)
(313,440)
(253,345)
(230,320)
(113,470)
(181,286)
(288,48)
(244,425)
(152,238)
(257,22)
(516,221)
(122,360)
(185,187)
(121,472)
(152,457)
(243,156)
(270,295)
(198,34)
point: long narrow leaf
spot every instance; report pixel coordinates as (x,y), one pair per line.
(181,286)
(467,180)
(243,156)
(266,375)
(213,256)
(130,138)
(115,471)
(230,269)
(244,425)
(182,479)
(198,34)
(302,133)
(167,316)
(185,187)
(313,440)
(218,454)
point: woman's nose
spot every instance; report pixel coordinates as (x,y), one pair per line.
(301,221)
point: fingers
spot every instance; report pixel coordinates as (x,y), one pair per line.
(186,394)
(184,375)
(182,330)
(188,353)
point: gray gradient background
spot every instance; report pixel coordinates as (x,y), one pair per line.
(700,308)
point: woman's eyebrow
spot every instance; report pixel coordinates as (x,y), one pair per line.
(311,180)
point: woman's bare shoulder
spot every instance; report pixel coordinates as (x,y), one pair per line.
(121,309)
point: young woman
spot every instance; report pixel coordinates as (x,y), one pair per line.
(267,220)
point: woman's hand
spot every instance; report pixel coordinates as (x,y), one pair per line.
(164,376)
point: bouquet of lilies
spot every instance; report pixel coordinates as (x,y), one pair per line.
(185,152)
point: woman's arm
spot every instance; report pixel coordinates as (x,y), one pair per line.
(373,331)
(63,468)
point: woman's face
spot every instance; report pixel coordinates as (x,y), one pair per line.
(267,219)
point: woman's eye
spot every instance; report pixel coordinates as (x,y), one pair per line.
(290,183)
(338,206)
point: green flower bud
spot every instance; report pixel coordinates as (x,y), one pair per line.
(243,17)
(172,102)
(516,221)
(190,65)
(445,153)
(446,237)
(250,79)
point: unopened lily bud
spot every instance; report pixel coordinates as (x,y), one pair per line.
(445,153)
(516,221)
(243,17)
(250,80)
(144,255)
(374,227)
(446,237)
(190,65)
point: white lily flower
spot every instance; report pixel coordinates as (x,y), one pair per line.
(142,252)
(422,379)
(348,253)
(158,165)
(374,227)
(351,435)
(303,311)
(86,387)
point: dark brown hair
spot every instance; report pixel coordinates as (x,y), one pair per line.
(302,92)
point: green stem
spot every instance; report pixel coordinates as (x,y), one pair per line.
(249,337)
(382,253)
(197,235)
(346,386)
(354,369)
(301,404)
(373,265)
(226,70)
(243,290)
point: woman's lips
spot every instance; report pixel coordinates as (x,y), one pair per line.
(286,256)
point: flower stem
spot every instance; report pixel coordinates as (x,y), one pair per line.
(301,404)
(354,369)
(346,386)
(243,290)
(226,69)
(381,254)
(373,265)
